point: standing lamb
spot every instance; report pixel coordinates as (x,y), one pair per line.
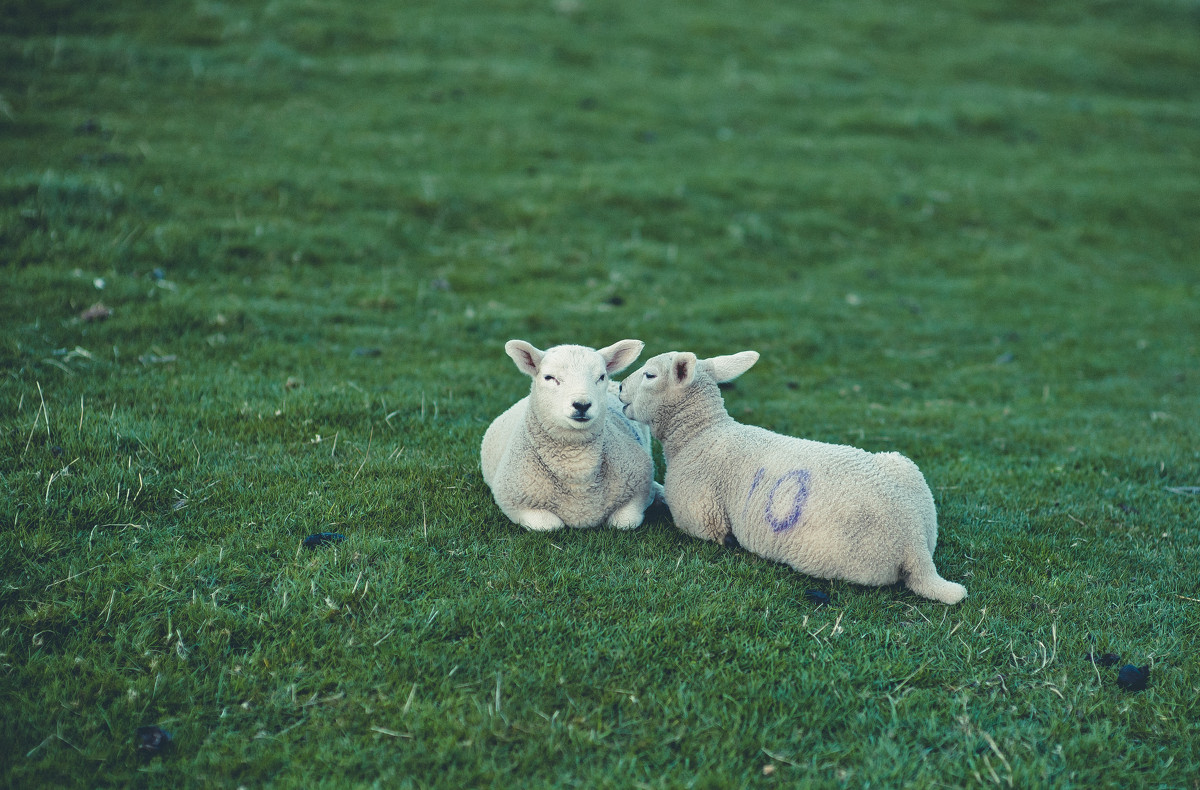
(566,455)
(828,510)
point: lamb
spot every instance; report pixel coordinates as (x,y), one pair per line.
(566,455)
(830,511)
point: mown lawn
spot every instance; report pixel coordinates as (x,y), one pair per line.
(258,261)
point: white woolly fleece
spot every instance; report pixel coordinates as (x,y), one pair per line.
(830,511)
(566,455)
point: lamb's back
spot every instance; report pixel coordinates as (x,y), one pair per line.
(804,502)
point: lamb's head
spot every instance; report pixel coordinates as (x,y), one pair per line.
(570,383)
(656,391)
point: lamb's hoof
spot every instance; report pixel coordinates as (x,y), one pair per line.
(731,542)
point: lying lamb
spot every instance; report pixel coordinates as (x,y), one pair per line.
(828,510)
(566,455)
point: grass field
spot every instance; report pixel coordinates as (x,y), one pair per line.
(967,232)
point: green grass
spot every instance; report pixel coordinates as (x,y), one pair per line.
(966,232)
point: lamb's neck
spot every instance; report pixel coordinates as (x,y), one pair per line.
(690,418)
(566,453)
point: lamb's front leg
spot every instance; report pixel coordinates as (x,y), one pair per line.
(536,520)
(628,516)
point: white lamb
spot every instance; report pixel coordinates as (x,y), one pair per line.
(566,455)
(828,510)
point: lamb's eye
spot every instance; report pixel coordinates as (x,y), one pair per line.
(601,377)
(550,378)
(651,376)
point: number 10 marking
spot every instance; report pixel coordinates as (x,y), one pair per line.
(781,523)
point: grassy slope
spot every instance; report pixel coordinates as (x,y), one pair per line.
(963,232)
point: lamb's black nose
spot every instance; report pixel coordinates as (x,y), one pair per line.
(581,407)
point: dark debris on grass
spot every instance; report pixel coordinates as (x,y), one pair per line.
(1130,677)
(318,539)
(819,597)
(152,740)
(1133,678)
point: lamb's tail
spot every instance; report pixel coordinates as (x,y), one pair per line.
(921,576)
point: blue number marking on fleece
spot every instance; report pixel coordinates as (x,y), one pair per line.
(758,476)
(802,479)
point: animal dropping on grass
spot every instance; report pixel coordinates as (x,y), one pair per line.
(1133,678)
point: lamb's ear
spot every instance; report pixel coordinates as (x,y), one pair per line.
(729,367)
(683,368)
(526,356)
(620,355)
